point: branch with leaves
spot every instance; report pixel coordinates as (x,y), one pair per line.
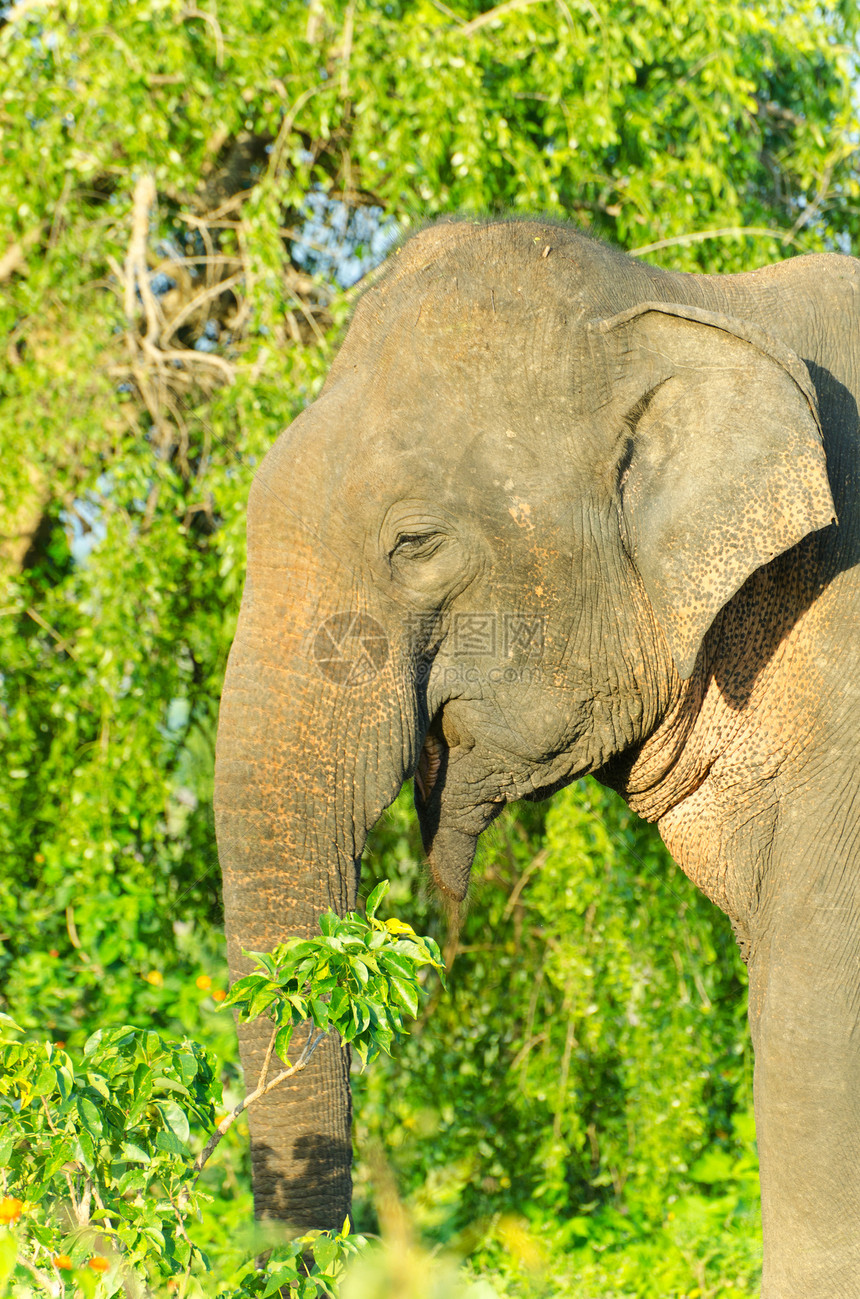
(96,1165)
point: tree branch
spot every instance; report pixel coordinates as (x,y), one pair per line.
(727,232)
(262,1089)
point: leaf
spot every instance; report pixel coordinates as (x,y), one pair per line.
(135,1153)
(45,1081)
(168,1142)
(265,960)
(319,1013)
(87,1154)
(338,1004)
(398,961)
(8,1024)
(7,1142)
(325,1251)
(97,1082)
(260,1001)
(282,1042)
(375,898)
(89,1115)
(61,1152)
(175,1119)
(395,926)
(407,994)
(361,1015)
(363,1048)
(8,1255)
(280,1278)
(188,1067)
(93,1042)
(171,1085)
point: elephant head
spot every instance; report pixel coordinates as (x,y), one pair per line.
(487,557)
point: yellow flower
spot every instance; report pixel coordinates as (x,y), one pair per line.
(219,994)
(10,1209)
(62,1262)
(98,1264)
(203,982)
(155,977)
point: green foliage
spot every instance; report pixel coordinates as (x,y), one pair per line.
(592,1046)
(98,1150)
(307,1267)
(95,1155)
(649,123)
(358,979)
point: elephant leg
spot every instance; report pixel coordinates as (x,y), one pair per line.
(805,1022)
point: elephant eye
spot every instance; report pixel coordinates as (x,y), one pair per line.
(411,545)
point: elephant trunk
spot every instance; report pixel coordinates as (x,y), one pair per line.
(294,794)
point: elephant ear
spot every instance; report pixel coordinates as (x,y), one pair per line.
(724,466)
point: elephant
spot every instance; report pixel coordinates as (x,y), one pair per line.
(557,511)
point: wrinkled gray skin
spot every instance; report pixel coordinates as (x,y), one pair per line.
(628,476)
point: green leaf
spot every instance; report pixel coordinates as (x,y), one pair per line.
(135,1153)
(375,898)
(171,1084)
(363,1047)
(175,1119)
(325,1250)
(391,959)
(361,1015)
(89,1115)
(93,1042)
(8,1255)
(282,1042)
(188,1067)
(282,1277)
(265,960)
(169,1143)
(7,1142)
(87,1153)
(8,1024)
(407,994)
(97,1082)
(45,1081)
(319,1012)
(338,1004)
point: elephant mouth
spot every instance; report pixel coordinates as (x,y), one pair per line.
(449,834)
(429,764)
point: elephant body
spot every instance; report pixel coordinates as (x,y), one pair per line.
(557,511)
